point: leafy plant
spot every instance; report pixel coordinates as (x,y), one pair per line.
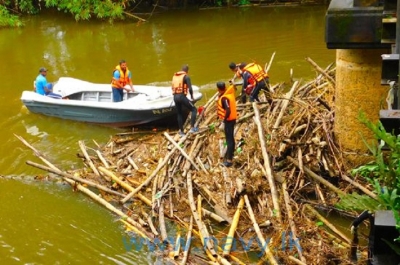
(7,19)
(384,172)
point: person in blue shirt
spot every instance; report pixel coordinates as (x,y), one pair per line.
(41,85)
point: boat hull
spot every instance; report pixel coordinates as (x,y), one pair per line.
(106,117)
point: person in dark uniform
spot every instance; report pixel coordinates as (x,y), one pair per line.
(238,74)
(255,79)
(226,110)
(181,85)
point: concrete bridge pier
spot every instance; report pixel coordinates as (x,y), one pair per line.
(358,88)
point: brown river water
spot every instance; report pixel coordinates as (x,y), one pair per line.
(47,223)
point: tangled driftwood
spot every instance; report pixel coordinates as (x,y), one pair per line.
(286,154)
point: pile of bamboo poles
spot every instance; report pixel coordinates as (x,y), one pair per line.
(285,155)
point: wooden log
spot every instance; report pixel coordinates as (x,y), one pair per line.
(161,222)
(327,223)
(214,216)
(87,157)
(37,153)
(188,241)
(230,237)
(320,194)
(177,247)
(193,152)
(150,178)
(69,176)
(181,150)
(267,166)
(267,251)
(240,186)
(319,69)
(124,185)
(299,262)
(317,178)
(286,101)
(109,206)
(218,209)
(291,221)
(150,222)
(134,229)
(202,229)
(130,160)
(102,159)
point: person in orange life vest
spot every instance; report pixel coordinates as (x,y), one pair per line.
(181,85)
(226,110)
(240,73)
(121,77)
(237,69)
(254,75)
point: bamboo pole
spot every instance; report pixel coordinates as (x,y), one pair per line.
(232,229)
(161,222)
(102,159)
(286,101)
(267,251)
(124,185)
(69,176)
(130,160)
(291,220)
(150,178)
(87,157)
(299,262)
(181,150)
(109,206)
(188,241)
(327,223)
(267,166)
(202,229)
(317,178)
(177,247)
(322,71)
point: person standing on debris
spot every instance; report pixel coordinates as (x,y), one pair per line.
(254,79)
(238,70)
(181,85)
(121,77)
(226,110)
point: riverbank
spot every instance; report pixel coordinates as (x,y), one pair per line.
(263,208)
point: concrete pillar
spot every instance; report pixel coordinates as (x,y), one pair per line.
(358,88)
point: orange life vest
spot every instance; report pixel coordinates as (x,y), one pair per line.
(230,95)
(123,77)
(178,87)
(256,71)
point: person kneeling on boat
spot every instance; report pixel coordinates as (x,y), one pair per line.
(42,87)
(121,77)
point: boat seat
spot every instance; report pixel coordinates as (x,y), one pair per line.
(90,96)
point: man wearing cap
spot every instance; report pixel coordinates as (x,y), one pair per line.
(41,85)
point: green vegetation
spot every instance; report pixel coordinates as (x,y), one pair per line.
(7,19)
(383,174)
(11,10)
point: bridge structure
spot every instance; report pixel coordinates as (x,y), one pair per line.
(364,34)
